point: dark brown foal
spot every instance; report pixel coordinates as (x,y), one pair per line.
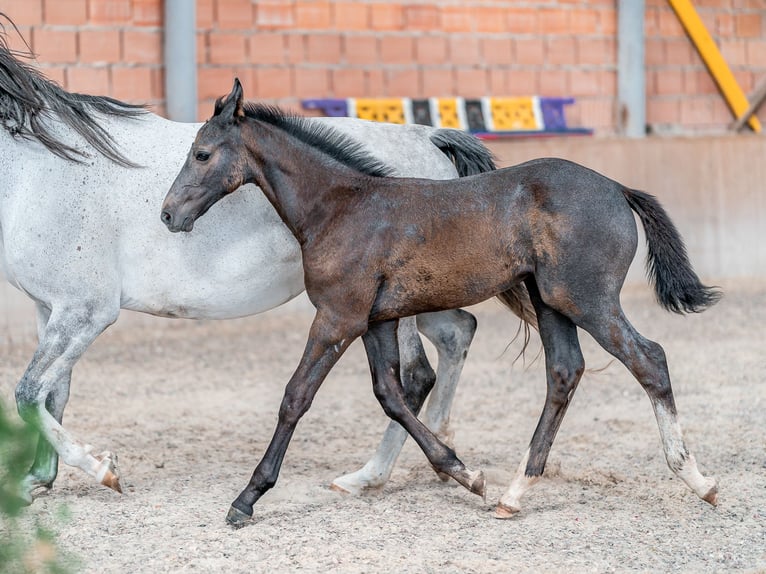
(377,248)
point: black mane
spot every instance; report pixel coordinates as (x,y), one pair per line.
(329,141)
(27,99)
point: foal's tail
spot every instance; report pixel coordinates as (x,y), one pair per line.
(469,155)
(676,284)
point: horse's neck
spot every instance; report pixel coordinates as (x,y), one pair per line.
(299,181)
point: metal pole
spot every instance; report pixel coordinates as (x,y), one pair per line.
(631,79)
(181,60)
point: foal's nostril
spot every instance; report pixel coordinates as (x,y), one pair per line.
(166,218)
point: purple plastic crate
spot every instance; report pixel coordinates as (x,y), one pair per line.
(553,112)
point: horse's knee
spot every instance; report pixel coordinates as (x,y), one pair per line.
(27,400)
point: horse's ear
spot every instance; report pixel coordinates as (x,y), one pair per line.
(231,105)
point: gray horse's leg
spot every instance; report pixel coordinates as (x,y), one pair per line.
(451,332)
(42,393)
(45,466)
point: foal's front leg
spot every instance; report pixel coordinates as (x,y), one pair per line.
(383,354)
(328,338)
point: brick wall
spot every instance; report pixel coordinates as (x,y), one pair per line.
(285,50)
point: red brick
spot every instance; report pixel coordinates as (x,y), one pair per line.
(471,82)
(438,82)
(422,17)
(273,82)
(272,15)
(756,53)
(100,46)
(669,25)
(311,83)
(132,84)
(669,82)
(57,46)
(228,48)
(213,82)
(205,14)
(586,83)
(267,48)
(595,113)
(497,51)
(522,20)
(734,52)
(403,83)
(20,41)
(697,111)
(490,19)
(522,83)
(88,80)
(203,56)
(698,81)
(597,51)
(530,51)
(65,12)
(464,50)
(554,21)
(295,49)
(608,21)
(584,21)
(360,50)
(24,12)
(323,48)
(749,25)
(351,16)
(55,74)
(386,16)
(680,52)
(375,86)
(348,82)
(234,14)
(430,50)
(498,81)
(724,25)
(654,52)
(560,50)
(149,12)
(141,46)
(553,83)
(457,19)
(662,111)
(111,12)
(396,50)
(313,15)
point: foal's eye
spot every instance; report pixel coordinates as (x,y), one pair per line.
(202,155)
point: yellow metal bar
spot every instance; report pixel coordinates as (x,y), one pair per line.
(713,59)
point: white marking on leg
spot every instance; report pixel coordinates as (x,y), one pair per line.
(510,502)
(679,459)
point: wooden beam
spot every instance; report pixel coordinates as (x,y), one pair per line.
(713,59)
(758,97)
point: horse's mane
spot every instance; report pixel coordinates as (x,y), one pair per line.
(27,99)
(324,138)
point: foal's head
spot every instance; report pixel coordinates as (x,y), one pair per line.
(214,168)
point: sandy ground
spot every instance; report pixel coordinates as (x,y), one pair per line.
(189,408)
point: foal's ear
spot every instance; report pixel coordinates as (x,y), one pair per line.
(231,105)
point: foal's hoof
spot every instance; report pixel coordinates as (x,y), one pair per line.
(504,512)
(712,495)
(107,472)
(237,518)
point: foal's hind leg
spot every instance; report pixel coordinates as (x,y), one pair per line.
(42,392)
(564,366)
(645,359)
(383,354)
(451,333)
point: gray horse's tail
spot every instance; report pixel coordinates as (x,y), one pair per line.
(676,284)
(469,155)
